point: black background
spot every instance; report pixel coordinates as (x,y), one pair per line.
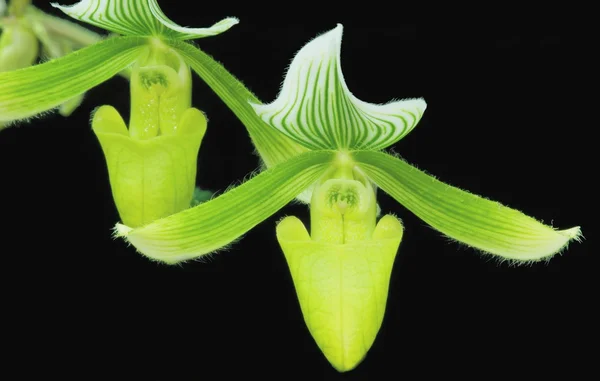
(510,98)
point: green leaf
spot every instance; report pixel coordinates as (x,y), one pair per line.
(465,217)
(137,18)
(215,224)
(273,147)
(2,7)
(30,91)
(316,108)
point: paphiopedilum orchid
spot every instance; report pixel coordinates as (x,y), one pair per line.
(319,144)
(25,28)
(152,163)
(341,269)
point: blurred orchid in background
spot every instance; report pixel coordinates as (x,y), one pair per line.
(29,35)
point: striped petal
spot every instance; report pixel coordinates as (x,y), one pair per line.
(137,18)
(33,90)
(182,33)
(214,224)
(316,109)
(273,146)
(465,217)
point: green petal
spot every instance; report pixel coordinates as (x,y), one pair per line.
(215,224)
(316,109)
(465,217)
(30,91)
(273,147)
(137,18)
(126,17)
(182,33)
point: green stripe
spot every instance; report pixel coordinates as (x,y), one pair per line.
(30,91)
(315,108)
(273,146)
(466,217)
(220,221)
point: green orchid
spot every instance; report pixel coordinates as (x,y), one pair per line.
(26,28)
(319,144)
(341,269)
(152,162)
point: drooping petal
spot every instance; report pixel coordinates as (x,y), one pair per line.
(137,18)
(316,108)
(30,91)
(215,224)
(183,33)
(273,146)
(465,217)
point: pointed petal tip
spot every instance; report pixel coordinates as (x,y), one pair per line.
(472,220)
(315,75)
(184,33)
(555,246)
(225,24)
(231,20)
(416,104)
(121,231)
(573,233)
(321,44)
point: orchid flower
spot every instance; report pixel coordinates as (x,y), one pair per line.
(319,143)
(341,269)
(26,28)
(151,162)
